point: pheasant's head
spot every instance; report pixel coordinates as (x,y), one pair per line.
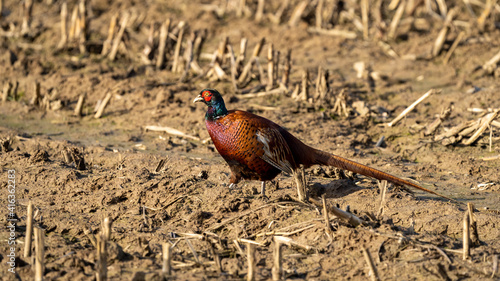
(213,99)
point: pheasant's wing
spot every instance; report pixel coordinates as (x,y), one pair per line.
(276,150)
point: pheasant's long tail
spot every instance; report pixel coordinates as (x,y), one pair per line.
(329,159)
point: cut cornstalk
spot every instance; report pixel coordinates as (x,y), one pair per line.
(411,107)
(118,39)
(29,231)
(162,44)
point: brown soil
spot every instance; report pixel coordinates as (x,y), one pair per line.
(418,236)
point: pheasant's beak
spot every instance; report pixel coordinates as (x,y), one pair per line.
(198,99)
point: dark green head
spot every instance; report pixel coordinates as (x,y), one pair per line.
(213,99)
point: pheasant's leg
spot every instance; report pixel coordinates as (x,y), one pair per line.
(234,180)
(263,189)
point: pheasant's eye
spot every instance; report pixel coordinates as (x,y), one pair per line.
(207,95)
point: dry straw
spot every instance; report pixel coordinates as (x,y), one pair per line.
(297,13)
(35,100)
(176,61)
(287,69)
(102,239)
(457,41)
(167,260)
(29,231)
(6,92)
(373,270)
(438,44)
(485,122)
(102,255)
(79,105)
(277,270)
(248,67)
(301,182)
(164,31)
(64,20)
(328,227)
(251,261)
(39,253)
(26,24)
(473,225)
(396,19)
(319,14)
(106,46)
(259,14)
(365,6)
(345,215)
(103,105)
(270,67)
(118,38)
(383,191)
(466,237)
(411,107)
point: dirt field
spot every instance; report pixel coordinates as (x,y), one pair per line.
(78,170)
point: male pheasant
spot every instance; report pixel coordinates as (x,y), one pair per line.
(256,148)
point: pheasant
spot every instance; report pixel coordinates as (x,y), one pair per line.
(256,148)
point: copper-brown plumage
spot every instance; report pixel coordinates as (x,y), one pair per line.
(256,148)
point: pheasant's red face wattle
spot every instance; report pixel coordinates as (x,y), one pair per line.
(207,96)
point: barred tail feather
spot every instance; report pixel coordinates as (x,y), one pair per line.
(329,159)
